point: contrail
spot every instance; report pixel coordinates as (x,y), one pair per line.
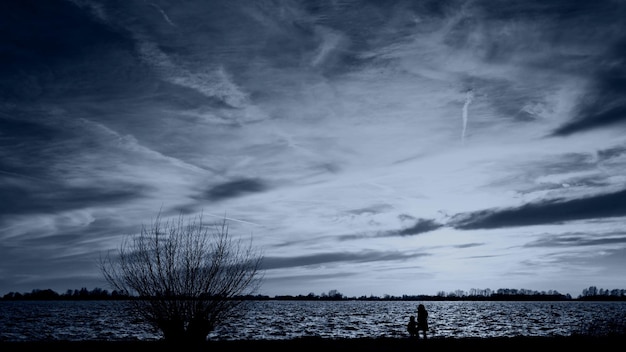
(165,16)
(469,96)
(232,219)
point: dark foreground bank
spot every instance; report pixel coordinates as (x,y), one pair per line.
(325,345)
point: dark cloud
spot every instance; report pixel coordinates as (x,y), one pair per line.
(610,153)
(421,226)
(51,197)
(337,257)
(545,212)
(556,10)
(15,130)
(328,167)
(236,188)
(469,245)
(39,144)
(24,144)
(605,103)
(50,50)
(406,217)
(577,240)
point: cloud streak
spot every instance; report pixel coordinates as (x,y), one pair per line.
(551,211)
(335,258)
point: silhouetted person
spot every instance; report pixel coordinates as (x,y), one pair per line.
(411,327)
(422,320)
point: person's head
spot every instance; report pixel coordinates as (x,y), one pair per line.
(412,317)
(421,307)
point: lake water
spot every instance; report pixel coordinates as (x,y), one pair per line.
(111,320)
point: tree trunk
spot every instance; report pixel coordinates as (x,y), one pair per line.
(173,330)
(197,330)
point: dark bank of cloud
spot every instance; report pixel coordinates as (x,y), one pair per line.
(236,188)
(545,212)
(336,257)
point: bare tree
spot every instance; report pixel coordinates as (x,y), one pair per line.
(185,278)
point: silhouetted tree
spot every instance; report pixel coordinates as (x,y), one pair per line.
(335,295)
(186,279)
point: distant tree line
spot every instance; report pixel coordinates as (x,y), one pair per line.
(78,295)
(593,293)
(504,294)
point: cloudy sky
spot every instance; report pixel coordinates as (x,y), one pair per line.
(372,147)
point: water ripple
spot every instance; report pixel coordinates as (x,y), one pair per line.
(110,320)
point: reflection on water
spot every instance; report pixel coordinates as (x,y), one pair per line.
(110,320)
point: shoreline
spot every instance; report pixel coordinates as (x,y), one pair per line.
(326,344)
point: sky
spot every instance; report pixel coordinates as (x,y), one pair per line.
(369,147)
